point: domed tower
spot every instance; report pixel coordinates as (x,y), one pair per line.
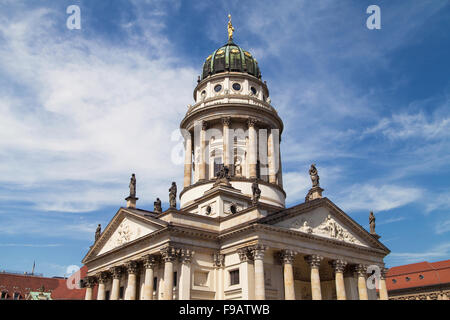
(232,138)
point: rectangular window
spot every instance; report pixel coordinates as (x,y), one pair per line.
(234,277)
(107,295)
(121,293)
(155,283)
(175,279)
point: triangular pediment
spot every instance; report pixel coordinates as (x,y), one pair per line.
(323,219)
(126,226)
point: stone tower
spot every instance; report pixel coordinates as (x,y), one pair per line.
(232,125)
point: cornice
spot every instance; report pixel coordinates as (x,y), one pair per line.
(234,179)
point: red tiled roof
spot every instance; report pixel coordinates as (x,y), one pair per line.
(23,284)
(418,275)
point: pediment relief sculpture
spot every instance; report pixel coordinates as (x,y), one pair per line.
(329,228)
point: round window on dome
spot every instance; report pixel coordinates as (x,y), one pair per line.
(254,91)
(218,87)
(236,86)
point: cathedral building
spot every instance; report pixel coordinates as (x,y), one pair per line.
(232,236)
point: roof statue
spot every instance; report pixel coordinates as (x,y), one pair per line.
(132,186)
(372,225)
(256,191)
(230,29)
(98,232)
(157,206)
(316,191)
(173,195)
(314,175)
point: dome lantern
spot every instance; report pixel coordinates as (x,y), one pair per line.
(230,57)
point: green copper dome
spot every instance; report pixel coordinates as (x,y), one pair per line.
(230,57)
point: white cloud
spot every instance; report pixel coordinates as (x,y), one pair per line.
(404,126)
(378,198)
(391,220)
(88,112)
(436,253)
(442,227)
(439,202)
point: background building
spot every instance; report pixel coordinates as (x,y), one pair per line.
(35,287)
(419,281)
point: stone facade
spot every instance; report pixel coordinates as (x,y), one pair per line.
(226,241)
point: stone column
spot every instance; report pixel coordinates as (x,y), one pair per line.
(90,283)
(219,263)
(287,258)
(339,266)
(252,147)
(383,288)
(272,156)
(227,158)
(258,256)
(116,273)
(314,263)
(130,293)
(246,274)
(168,256)
(202,164)
(280,167)
(362,288)
(184,292)
(149,265)
(102,278)
(188,160)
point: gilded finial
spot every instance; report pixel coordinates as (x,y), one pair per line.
(230,29)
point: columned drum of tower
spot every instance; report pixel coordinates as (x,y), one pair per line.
(233,125)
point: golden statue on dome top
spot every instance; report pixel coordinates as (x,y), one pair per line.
(230,29)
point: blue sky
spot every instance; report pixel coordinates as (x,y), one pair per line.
(83,109)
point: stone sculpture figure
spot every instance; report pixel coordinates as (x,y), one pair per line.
(173,195)
(223,173)
(133,186)
(98,232)
(372,222)
(256,191)
(157,206)
(238,167)
(314,175)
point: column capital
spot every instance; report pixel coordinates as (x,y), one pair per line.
(116,272)
(287,256)
(186,255)
(258,251)
(226,121)
(219,260)
(361,269)
(338,265)
(314,260)
(168,253)
(89,282)
(245,254)
(131,267)
(149,261)
(251,122)
(102,277)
